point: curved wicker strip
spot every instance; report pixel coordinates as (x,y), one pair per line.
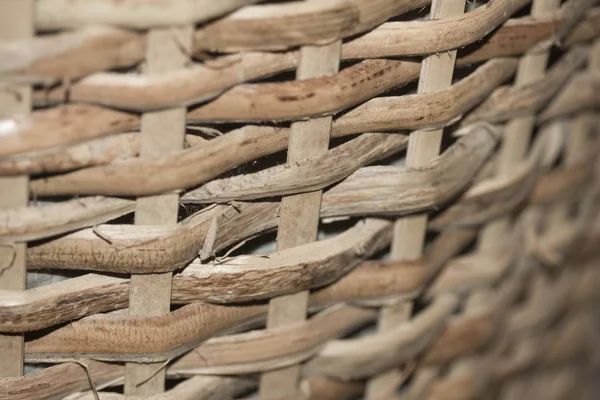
(140,177)
(389,190)
(494,197)
(72,54)
(61,159)
(511,102)
(266,101)
(256,277)
(75,54)
(124,248)
(175,333)
(271,348)
(181,169)
(580,94)
(415,111)
(280,26)
(39,308)
(469,321)
(184,87)
(291,100)
(303,176)
(71,123)
(369,355)
(58,381)
(27,223)
(60,14)
(423,37)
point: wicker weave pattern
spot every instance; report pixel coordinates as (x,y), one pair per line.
(449,150)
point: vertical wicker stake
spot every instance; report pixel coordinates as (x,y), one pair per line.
(16,23)
(409,232)
(162,132)
(516,139)
(299,218)
(517,133)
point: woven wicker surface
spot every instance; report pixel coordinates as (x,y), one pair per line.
(341,199)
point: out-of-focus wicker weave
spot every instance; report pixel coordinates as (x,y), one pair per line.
(430,169)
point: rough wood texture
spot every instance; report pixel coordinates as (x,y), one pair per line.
(408,265)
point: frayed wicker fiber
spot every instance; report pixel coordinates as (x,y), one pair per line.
(309,199)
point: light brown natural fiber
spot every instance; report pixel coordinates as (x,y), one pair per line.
(304,200)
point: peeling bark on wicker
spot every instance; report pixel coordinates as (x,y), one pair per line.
(506,281)
(124,248)
(116,121)
(558,346)
(92,49)
(40,308)
(83,181)
(84,333)
(110,179)
(198,84)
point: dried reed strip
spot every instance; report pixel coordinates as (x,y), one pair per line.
(292,100)
(423,36)
(194,166)
(75,123)
(496,196)
(579,94)
(61,159)
(125,248)
(484,201)
(324,96)
(247,278)
(182,169)
(510,102)
(281,26)
(307,175)
(94,152)
(272,348)
(387,190)
(71,124)
(27,223)
(110,243)
(559,349)
(38,308)
(369,355)
(117,337)
(546,188)
(59,302)
(456,327)
(342,249)
(138,14)
(58,381)
(428,110)
(183,87)
(374,281)
(74,54)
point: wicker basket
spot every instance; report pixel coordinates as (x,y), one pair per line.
(335,199)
